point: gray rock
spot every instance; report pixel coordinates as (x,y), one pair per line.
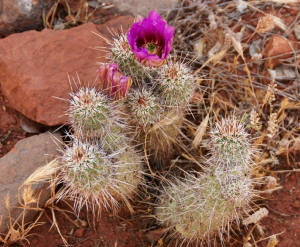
(142,7)
(21,15)
(283,73)
(16,166)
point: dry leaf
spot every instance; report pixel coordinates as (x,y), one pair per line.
(281,117)
(28,195)
(200,132)
(257,216)
(171,118)
(199,47)
(272,241)
(214,49)
(286,104)
(7,202)
(218,57)
(237,46)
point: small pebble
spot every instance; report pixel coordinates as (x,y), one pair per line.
(79,233)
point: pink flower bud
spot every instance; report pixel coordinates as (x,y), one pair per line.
(115,84)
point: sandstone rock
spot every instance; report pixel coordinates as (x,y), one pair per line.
(21,15)
(116,25)
(142,7)
(34,67)
(16,166)
(278,46)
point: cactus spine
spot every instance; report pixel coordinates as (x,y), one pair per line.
(230,143)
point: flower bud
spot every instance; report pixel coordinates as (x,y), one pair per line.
(115,84)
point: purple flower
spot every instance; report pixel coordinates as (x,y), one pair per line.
(115,84)
(151,40)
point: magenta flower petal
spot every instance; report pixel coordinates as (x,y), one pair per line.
(115,84)
(151,40)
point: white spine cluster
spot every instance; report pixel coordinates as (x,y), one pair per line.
(176,84)
(230,143)
(89,113)
(144,107)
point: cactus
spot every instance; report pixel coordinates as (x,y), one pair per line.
(199,209)
(90,175)
(89,113)
(153,125)
(230,143)
(175,84)
(204,206)
(93,116)
(235,183)
(163,136)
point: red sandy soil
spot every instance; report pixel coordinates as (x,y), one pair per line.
(108,230)
(284,212)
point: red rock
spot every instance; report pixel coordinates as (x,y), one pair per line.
(21,15)
(277,46)
(34,68)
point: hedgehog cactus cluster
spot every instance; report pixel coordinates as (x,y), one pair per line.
(161,89)
(203,206)
(101,167)
(139,108)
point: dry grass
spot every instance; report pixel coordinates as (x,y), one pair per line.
(67,13)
